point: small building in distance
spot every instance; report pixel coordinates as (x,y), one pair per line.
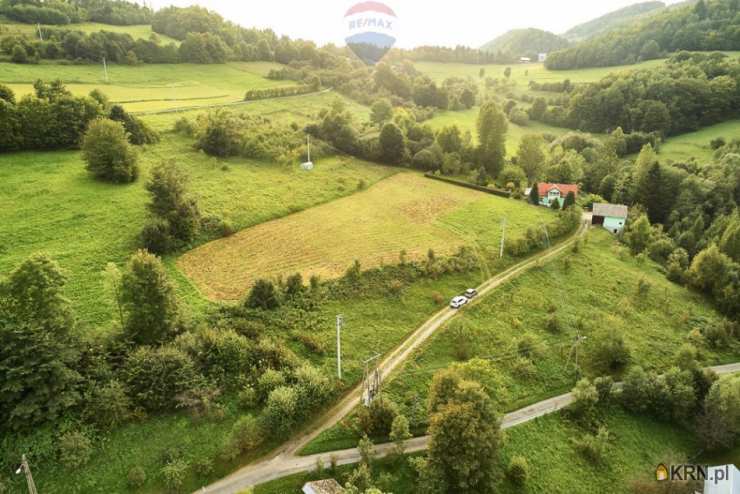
(524,60)
(541,57)
(555,192)
(328,486)
(610,216)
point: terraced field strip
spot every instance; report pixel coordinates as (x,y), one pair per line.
(404,212)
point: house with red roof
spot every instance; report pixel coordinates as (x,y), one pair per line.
(555,192)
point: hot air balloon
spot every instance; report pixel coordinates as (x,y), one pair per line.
(371,30)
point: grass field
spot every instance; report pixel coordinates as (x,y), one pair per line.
(149,87)
(522,74)
(406,212)
(467,120)
(637,446)
(141,31)
(597,291)
(49,203)
(696,144)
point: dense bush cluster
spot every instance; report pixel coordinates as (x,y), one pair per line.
(692,90)
(52,119)
(704,26)
(225,133)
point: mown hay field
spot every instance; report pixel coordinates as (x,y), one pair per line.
(404,212)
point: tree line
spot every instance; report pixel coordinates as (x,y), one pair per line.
(58,12)
(691,91)
(705,26)
(53,118)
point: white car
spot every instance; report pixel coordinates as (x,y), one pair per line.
(458,302)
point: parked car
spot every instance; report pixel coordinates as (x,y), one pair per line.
(471,293)
(458,302)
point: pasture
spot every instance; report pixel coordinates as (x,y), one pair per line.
(405,212)
(521,74)
(49,203)
(152,86)
(589,291)
(696,144)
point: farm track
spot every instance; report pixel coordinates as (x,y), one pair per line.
(283,466)
(285,459)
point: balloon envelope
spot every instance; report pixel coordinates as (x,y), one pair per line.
(371,30)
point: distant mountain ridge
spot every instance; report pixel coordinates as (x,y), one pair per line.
(526,42)
(612,20)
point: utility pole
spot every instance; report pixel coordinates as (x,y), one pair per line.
(371,381)
(340,322)
(29,478)
(574,350)
(105,69)
(503,237)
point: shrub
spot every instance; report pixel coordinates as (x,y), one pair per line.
(263,296)
(376,420)
(171,203)
(246,434)
(518,470)
(136,477)
(203,467)
(268,381)
(528,345)
(282,412)
(155,237)
(108,406)
(313,387)
(108,154)
(184,126)
(174,473)
(155,377)
(75,449)
(594,447)
(138,132)
(524,368)
(585,398)
(607,351)
(553,324)
(248,397)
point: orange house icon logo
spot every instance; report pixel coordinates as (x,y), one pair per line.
(661,473)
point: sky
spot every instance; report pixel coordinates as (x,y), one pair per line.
(459,22)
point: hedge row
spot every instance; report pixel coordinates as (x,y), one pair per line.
(489,190)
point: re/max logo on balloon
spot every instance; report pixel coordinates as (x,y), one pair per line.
(371,30)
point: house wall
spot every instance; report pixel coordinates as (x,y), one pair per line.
(611,223)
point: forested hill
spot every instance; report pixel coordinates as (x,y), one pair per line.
(609,21)
(525,42)
(703,26)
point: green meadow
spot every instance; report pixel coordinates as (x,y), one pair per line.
(586,292)
(696,144)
